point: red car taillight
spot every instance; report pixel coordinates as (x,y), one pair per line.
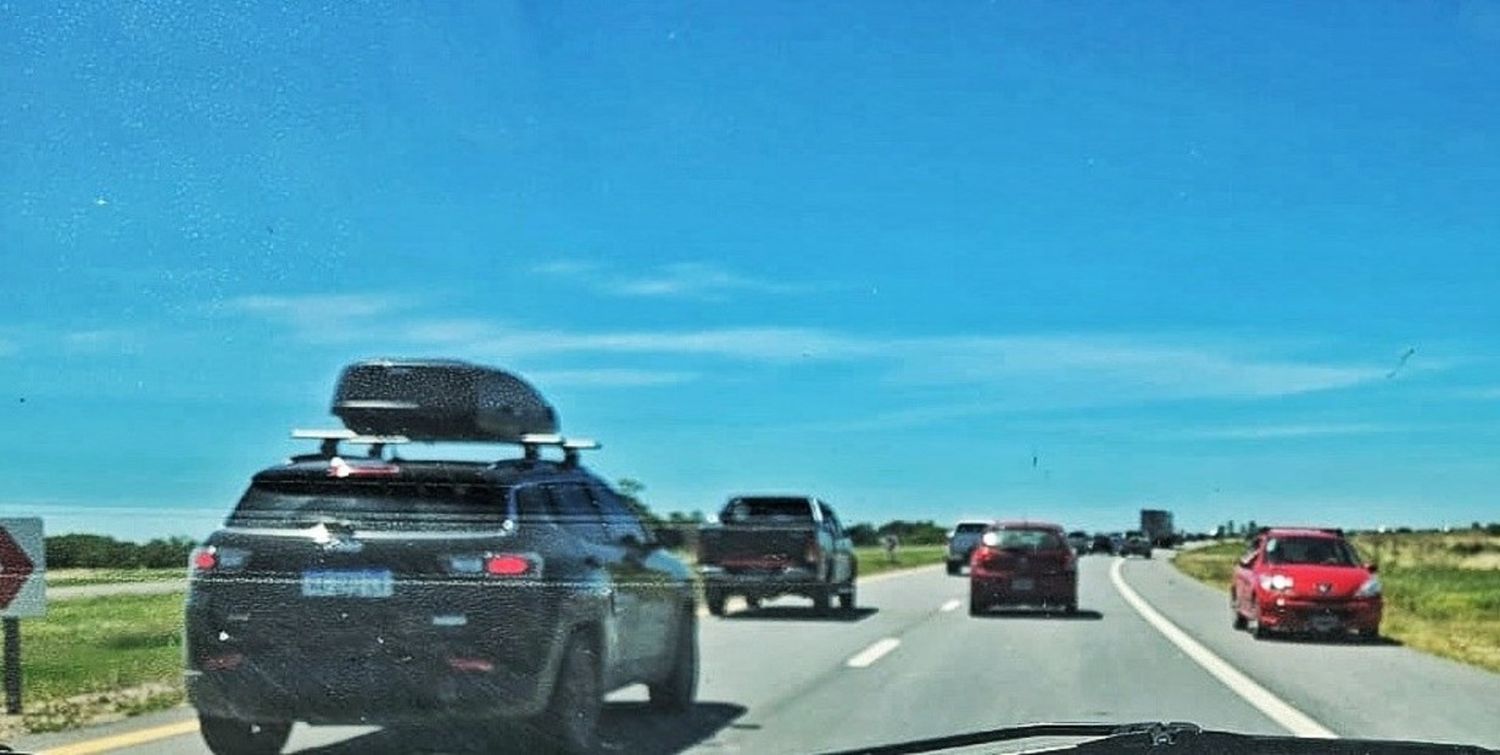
(986,557)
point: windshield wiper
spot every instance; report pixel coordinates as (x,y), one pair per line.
(1175,737)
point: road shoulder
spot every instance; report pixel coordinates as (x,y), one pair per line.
(1377,690)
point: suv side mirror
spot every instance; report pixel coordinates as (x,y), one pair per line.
(670,538)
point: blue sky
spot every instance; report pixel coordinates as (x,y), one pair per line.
(884,252)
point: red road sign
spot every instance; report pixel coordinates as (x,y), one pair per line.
(15,569)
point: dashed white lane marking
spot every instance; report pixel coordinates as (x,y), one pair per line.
(952,604)
(1278,710)
(873,653)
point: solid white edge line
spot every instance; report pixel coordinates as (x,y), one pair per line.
(873,653)
(1278,710)
(951,605)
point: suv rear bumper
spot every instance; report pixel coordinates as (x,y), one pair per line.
(333,694)
(385,662)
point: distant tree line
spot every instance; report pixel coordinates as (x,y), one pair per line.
(104,552)
(1228,529)
(925,532)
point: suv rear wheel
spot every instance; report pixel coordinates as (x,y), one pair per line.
(230,736)
(677,691)
(571,722)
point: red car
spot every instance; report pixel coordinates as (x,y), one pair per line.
(1023,563)
(1305,580)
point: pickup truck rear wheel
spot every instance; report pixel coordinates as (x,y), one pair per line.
(715,601)
(846,599)
(752,602)
(954,567)
(677,691)
(821,600)
(229,736)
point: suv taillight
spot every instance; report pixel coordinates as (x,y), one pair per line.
(496,564)
(213,558)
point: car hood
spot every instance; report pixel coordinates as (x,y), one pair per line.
(1308,580)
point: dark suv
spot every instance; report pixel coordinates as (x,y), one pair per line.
(381,590)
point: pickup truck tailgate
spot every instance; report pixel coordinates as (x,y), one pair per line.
(755,546)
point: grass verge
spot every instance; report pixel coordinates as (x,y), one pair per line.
(82,577)
(100,658)
(1438,597)
(872,560)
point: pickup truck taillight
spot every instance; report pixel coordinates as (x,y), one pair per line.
(814,553)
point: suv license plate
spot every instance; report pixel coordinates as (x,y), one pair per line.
(348,584)
(1022,584)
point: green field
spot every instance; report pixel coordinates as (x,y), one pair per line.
(101,656)
(80,577)
(1442,590)
(872,560)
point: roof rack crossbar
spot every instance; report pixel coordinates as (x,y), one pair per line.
(329,447)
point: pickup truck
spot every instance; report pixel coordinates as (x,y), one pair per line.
(765,546)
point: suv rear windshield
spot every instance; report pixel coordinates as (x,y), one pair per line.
(1033,540)
(970,528)
(382,504)
(1310,550)
(770,509)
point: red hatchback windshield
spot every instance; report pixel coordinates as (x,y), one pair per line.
(1310,550)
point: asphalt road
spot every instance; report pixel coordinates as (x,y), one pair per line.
(913,663)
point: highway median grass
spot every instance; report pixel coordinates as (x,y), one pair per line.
(100,658)
(85,577)
(1442,590)
(873,560)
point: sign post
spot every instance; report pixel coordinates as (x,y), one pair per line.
(23,593)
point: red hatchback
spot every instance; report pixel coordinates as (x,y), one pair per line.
(1305,580)
(1023,563)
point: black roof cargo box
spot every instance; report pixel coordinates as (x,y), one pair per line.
(440,400)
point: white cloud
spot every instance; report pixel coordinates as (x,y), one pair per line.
(1489,393)
(1123,367)
(1007,371)
(1272,432)
(686,280)
(102,341)
(754,344)
(311,310)
(565,268)
(608,378)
